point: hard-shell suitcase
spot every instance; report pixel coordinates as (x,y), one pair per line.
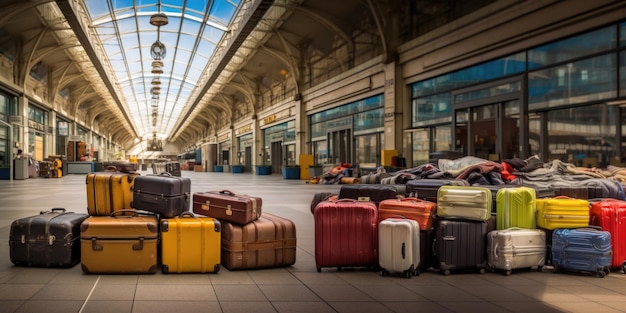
(173,168)
(227,206)
(346,234)
(164,194)
(515,248)
(321,196)
(467,202)
(540,192)
(375,192)
(190,244)
(109,191)
(426,189)
(119,243)
(460,245)
(269,241)
(124,167)
(399,246)
(49,239)
(586,250)
(515,207)
(562,212)
(610,215)
(415,209)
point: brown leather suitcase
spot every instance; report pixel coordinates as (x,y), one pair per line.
(269,241)
(119,243)
(227,206)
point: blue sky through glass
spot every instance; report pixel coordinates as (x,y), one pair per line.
(190,39)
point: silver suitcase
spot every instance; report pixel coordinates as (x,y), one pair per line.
(514,248)
(399,246)
(466,202)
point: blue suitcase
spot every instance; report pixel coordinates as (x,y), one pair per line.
(586,250)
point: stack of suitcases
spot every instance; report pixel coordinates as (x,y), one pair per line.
(250,238)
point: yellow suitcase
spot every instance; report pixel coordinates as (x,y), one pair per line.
(108,192)
(190,244)
(119,244)
(562,212)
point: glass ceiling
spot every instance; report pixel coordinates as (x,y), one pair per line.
(194,29)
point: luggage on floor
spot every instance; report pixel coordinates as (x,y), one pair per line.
(173,168)
(514,248)
(158,168)
(399,246)
(466,202)
(586,250)
(515,207)
(460,245)
(119,243)
(346,234)
(540,192)
(610,215)
(108,192)
(164,194)
(228,206)
(50,239)
(426,189)
(419,210)
(374,192)
(269,241)
(190,244)
(562,212)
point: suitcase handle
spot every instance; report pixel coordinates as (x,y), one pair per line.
(115,213)
(111,168)
(54,210)
(562,197)
(187,214)
(227,192)
(168,174)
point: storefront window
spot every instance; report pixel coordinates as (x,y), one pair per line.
(367,149)
(582,81)
(434,108)
(584,136)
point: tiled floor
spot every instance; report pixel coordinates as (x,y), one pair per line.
(299,288)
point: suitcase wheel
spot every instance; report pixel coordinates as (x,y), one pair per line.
(481,271)
(508,272)
(539,268)
(319,269)
(384,272)
(624,268)
(446,272)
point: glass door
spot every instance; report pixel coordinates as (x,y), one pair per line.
(340,146)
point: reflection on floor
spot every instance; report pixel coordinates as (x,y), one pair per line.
(299,288)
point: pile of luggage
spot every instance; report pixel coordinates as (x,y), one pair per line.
(140,223)
(450,225)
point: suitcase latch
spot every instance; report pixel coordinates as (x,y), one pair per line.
(51,239)
(206,206)
(138,246)
(229,211)
(94,245)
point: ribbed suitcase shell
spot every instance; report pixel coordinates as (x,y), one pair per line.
(375,192)
(190,244)
(515,247)
(50,239)
(515,207)
(467,202)
(582,250)
(610,215)
(164,194)
(399,246)
(108,192)
(227,206)
(269,241)
(119,243)
(346,234)
(419,210)
(426,189)
(460,245)
(562,212)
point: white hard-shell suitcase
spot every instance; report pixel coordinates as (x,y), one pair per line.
(466,202)
(514,248)
(399,246)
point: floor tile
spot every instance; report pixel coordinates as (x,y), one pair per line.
(61,292)
(113,292)
(288,293)
(18,292)
(334,293)
(176,306)
(302,307)
(239,293)
(108,306)
(359,307)
(247,307)
(175,293)
(50,306)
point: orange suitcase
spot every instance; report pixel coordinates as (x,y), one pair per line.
(415,209)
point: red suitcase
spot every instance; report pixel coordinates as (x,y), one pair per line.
(227,206)
(415,209)
(610,215)
(346,234)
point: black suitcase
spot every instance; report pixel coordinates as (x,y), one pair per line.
(50,239)
(460,245)
(375,192)
(164,194)
(426,189)
(173,168)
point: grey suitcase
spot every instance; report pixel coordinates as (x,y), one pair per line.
(167,195)
(515,248)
